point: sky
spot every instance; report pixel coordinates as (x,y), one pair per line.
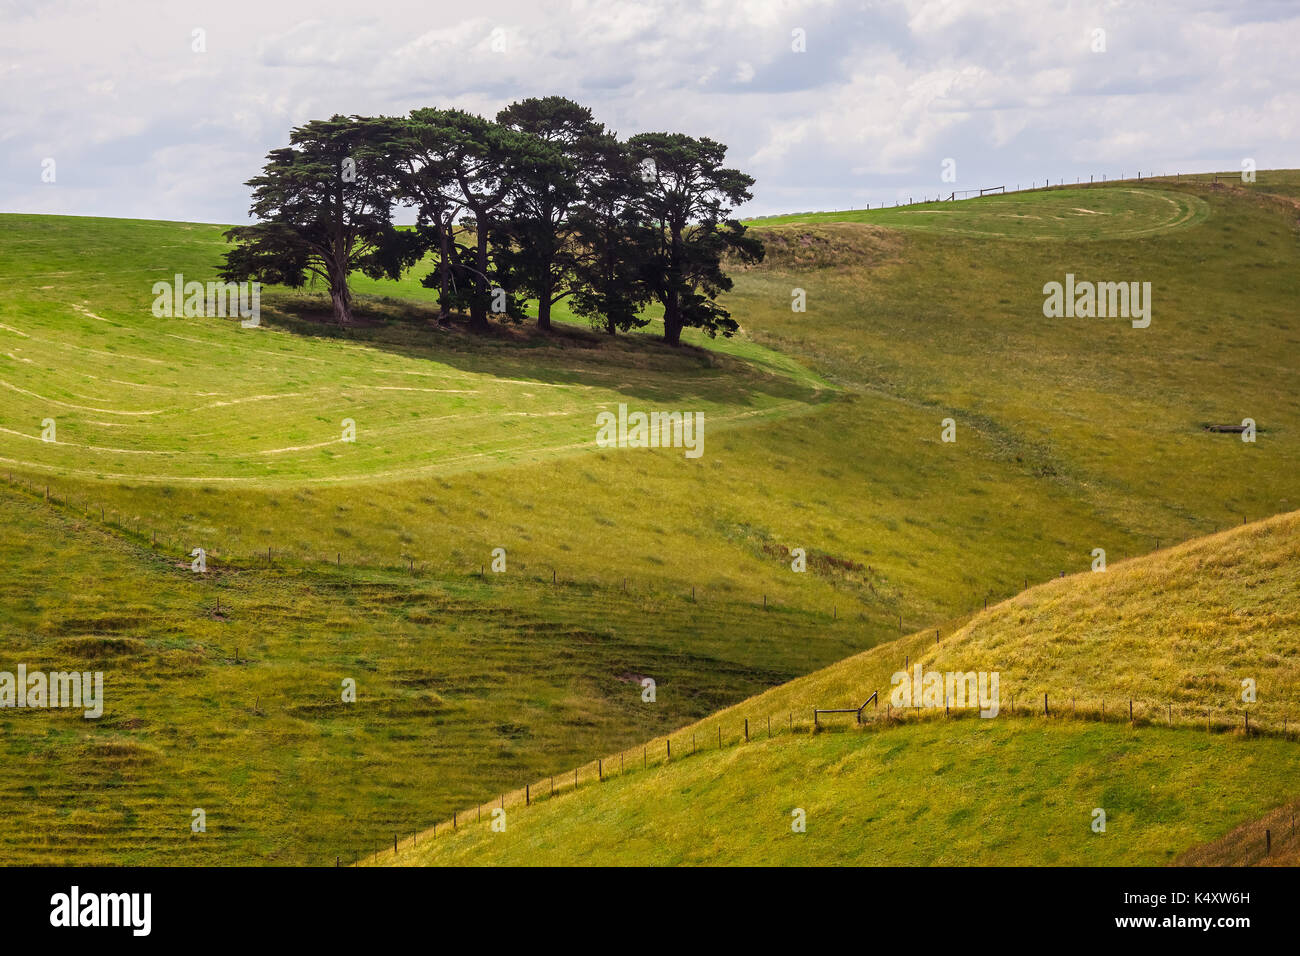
(162,110)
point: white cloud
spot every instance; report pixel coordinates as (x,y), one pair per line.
(143,126)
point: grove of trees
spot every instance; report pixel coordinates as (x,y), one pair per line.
(540,205)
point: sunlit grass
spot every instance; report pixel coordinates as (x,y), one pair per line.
(1175,632)
(822,432)
(959,793)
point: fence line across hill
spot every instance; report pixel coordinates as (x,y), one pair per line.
(1061,182)
(1131,711)
(136,530)
(884,614)
(742,732)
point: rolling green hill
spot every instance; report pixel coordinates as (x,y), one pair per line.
(192,400)
(223,692)
(971,794)
(1182,627)
(823,433)
(1111,212)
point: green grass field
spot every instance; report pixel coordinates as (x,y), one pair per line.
(823,432)
(1110,212)
(964,793)
(225,694)
(177,400)
(1175,632)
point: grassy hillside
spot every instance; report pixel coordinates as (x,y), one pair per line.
(823,433)
(1071,434)
(225,693)
(1182,626)
(1110,212)
(991,793)
(1102,412)
(1270,840)
(184,400)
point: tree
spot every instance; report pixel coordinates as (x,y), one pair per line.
(544,179)
(687,197)
(476,154)
(424,155)
(611,243)
(323,208)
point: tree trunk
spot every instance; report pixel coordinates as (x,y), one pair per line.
(672,307)
(444,272)
(478,307)
(339,263)
(342,300)
(544,302)
(672,322)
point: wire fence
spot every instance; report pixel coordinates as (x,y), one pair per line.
(712,736)
(888,610)
(808,719)
(1035,185)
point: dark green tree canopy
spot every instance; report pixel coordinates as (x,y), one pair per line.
(542,204)
(686,198)
(325,211)
(546,183)
(613,245)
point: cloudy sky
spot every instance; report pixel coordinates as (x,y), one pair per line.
(144,117)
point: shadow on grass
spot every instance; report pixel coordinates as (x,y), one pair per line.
(638,365)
